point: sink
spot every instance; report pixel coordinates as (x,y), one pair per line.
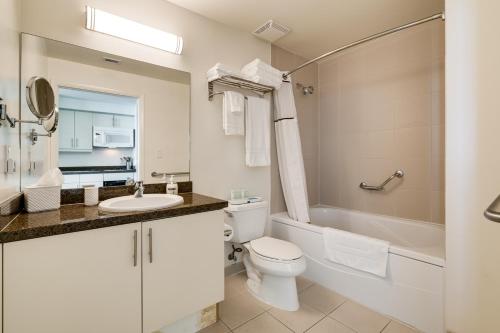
(147,202)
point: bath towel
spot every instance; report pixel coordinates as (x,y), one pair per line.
(258,132)
(356,251)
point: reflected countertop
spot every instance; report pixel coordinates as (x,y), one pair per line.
(77,217)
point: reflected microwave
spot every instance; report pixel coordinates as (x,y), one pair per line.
(112,137)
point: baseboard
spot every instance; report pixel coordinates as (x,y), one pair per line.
(234,268)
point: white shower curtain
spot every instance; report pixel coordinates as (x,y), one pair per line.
(290,161)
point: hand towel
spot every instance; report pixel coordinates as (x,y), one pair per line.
(356,251)
(258,132)
(233,119)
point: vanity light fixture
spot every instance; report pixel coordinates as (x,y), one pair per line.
(101,21)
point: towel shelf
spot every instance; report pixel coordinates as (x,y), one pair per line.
(237,82)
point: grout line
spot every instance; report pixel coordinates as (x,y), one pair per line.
(245,321)
(383,329)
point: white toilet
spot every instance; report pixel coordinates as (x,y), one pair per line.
(272,264)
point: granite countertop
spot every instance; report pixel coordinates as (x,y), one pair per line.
(77,217)
(96,169)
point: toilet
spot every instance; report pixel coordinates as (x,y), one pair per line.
(271,264)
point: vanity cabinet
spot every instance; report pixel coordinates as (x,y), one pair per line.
(78,282)
(75,131)
(183,267)
(132,278)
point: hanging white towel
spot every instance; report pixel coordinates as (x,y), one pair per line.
(357,251)
(233,119)
(290,160)
(258,132)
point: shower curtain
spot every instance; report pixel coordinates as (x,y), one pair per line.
(290,161)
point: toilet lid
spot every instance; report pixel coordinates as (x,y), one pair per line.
(276,248)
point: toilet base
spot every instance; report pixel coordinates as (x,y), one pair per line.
(277,291)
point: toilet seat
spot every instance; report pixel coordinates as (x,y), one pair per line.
(275,249)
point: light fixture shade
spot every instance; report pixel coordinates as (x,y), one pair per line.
(101,21)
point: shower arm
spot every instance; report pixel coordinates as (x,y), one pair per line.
(381,187)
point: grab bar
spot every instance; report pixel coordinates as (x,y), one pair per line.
(492,213)
(381,187)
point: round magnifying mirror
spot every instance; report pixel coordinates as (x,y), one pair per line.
(40,97)
(50,125)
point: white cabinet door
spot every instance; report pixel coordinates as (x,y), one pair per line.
(185,271)
(83,131)
(79,282)
(124,121)
(103,119)
(66,129)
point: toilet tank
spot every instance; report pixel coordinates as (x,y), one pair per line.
(247,220)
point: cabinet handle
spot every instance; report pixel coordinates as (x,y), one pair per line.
(135,248)
(150,235)
(72,143)
(76,142)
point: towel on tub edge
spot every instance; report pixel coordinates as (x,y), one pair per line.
(356,251)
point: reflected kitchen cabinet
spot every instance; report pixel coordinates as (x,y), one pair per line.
(75,131)
(113,120)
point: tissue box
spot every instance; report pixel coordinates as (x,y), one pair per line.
(41,198)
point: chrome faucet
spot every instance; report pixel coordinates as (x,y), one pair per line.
(139,189)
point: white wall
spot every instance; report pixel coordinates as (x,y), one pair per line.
(472,165)
(9,90)
(217,162)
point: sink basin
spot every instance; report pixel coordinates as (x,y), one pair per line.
(147,202)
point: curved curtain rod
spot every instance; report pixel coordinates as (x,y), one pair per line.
(366,39)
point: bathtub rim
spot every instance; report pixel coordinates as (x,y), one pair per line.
(282,217)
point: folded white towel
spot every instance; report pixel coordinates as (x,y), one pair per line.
(258,132)
(357,251)
(233,119)
(259,65)
(284,102)
(219,70)
(260,72)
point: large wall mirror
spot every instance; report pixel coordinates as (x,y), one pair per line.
(118,119)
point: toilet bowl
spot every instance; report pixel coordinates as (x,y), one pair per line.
(272,266)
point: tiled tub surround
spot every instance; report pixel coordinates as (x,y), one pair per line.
(382,109)
(321,311)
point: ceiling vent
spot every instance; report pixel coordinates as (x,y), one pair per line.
(271,31)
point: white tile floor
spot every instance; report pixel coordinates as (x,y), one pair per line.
(321,311)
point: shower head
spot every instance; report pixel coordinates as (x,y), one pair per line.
(305,90)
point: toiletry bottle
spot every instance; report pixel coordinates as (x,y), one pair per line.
(172,187)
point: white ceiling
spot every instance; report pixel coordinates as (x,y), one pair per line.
(318,26)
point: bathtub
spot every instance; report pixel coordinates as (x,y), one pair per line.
(412,291)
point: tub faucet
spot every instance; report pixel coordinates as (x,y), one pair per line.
(139,189)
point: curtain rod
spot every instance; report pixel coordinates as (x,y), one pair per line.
(361,41)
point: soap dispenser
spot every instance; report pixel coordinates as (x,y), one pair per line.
(172,187)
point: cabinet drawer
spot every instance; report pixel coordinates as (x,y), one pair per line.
(71,179)
(118,176)
(89,178)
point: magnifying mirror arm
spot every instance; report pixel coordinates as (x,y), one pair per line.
(34,136)
(12,121)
